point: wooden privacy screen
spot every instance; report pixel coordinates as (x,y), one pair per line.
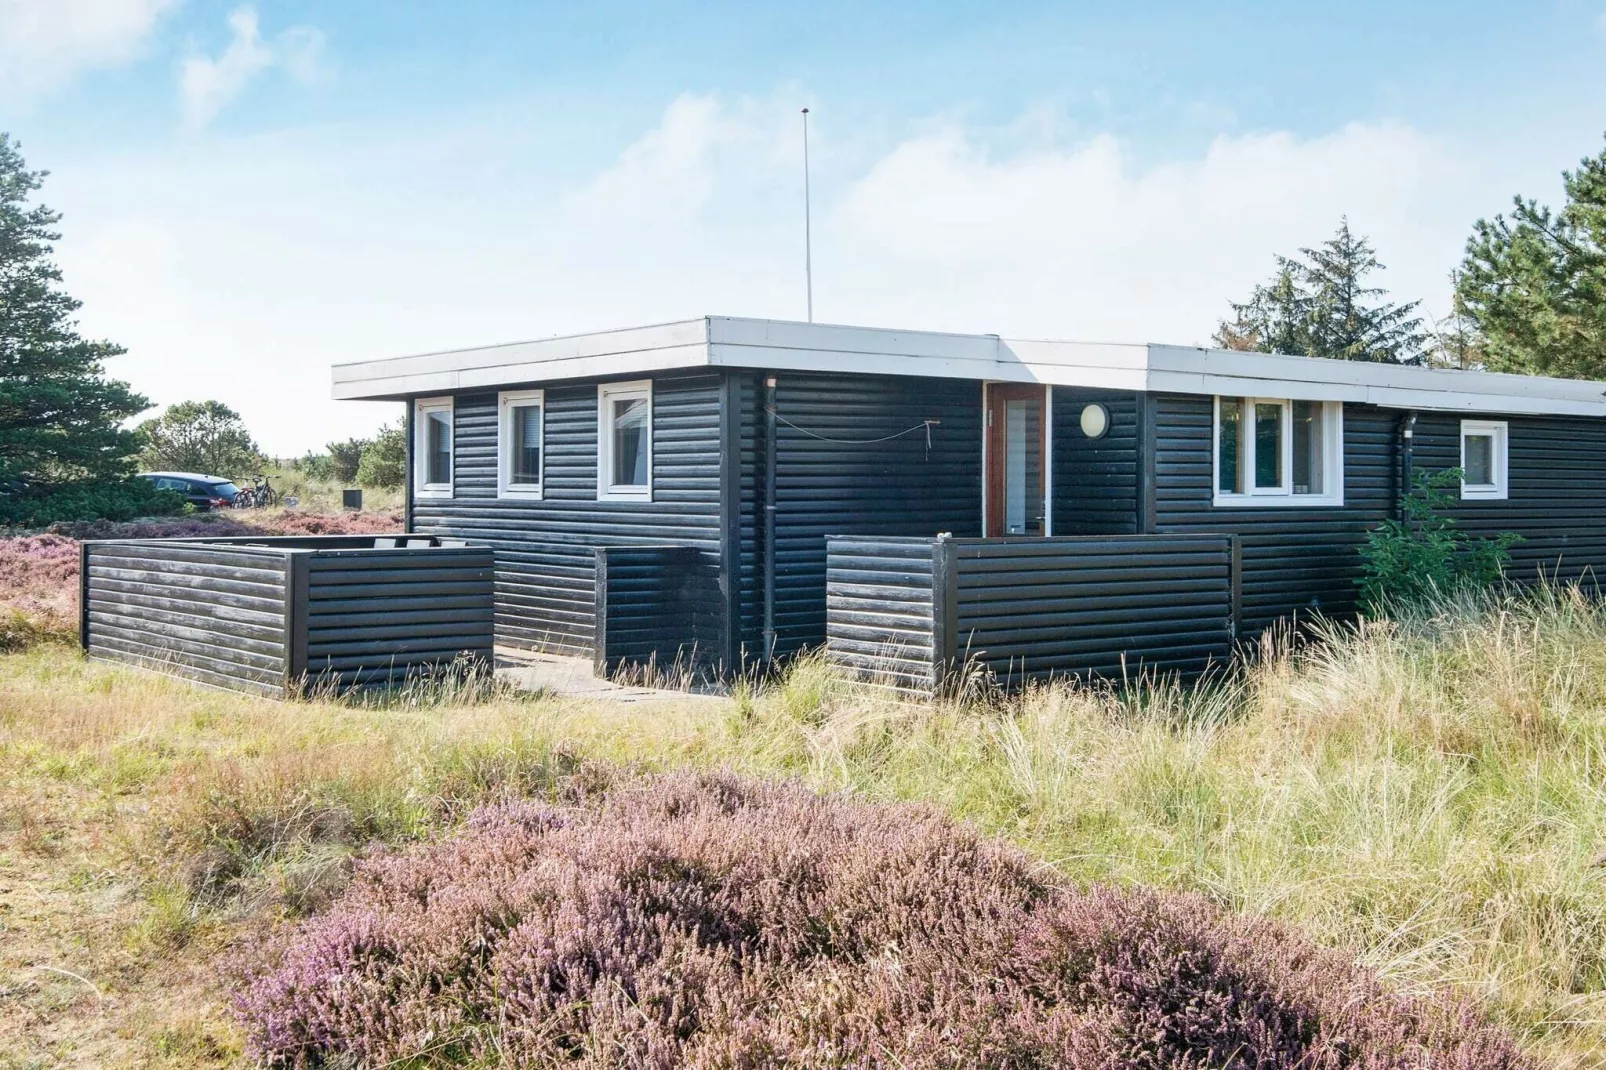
(273,615)
(658,608)
(911,613)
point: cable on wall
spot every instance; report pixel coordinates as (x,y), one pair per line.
(925,425)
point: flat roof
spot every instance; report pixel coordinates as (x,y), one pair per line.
(783,345)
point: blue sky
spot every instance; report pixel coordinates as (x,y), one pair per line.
(255,190)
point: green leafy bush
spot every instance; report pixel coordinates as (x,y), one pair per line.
(1426,553)
(118,500)
(384,460)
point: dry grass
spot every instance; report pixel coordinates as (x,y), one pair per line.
(1428,793)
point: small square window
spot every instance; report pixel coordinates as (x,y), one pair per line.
(520,443)
(624,441)
(1483,459)
(432,448)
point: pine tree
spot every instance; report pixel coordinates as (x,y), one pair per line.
(60,417)
(1319,306)
(1275,319)
(1534,285)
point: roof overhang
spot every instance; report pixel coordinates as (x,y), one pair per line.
(780,345)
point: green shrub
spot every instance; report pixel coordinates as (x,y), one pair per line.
(384,460)
(122,500)
(1426,554)
(345,458)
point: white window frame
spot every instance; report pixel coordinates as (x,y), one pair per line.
(607,393)
(1282,496)
(421,408)
(507,401)
(1499,461)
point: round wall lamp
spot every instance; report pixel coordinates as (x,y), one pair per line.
(1095,420)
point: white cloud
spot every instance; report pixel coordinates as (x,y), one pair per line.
(208,84)
(241,268)
(1076,240)
(44,43)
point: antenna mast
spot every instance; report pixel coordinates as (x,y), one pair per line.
(808,237)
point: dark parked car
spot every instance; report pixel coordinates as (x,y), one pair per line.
(203,492)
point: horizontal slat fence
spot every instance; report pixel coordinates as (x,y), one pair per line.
(917,614)
(217,614)
(275,615)
(657,608)
(880,619)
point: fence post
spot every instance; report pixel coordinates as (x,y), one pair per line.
(944,609)
(83,595)
(599,648)
(297,611)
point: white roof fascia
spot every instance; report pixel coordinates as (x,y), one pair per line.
(1220,371)
(735,342)
(662,347)
(789,346)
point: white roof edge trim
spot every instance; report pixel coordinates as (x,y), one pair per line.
(556,339)
(789,345)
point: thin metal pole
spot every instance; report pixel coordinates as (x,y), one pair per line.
(808,236)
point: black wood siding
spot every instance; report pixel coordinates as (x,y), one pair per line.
(1557,492)
(855,485)
(658,607)
(545,550)
(880,610)
(219,615)
(1295,559)
(1095,479)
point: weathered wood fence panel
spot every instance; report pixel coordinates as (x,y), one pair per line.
(276,615)
(914,612)
(880,609)
(657,607)
(216,614)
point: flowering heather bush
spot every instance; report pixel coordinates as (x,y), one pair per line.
(706,921)
(38,589)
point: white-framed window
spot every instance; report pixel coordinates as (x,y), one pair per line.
(520,443)
(432,448)
(1277,452)
(1484,459)
(624,441)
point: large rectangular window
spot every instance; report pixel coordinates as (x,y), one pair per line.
(432,448)
(519,443)
(624,441)
(1273,451)
(1484,459)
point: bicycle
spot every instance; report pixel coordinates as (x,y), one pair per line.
(259,495)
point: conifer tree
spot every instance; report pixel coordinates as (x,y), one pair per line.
(60,416)
(1534,285)
(1319,305)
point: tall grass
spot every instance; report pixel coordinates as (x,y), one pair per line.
(1427,793)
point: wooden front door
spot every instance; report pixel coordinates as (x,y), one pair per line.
(1017,437)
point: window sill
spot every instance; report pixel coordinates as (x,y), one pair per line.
(1277,501)
(519,494)
(618,494)
(1483,494)
(436,492)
